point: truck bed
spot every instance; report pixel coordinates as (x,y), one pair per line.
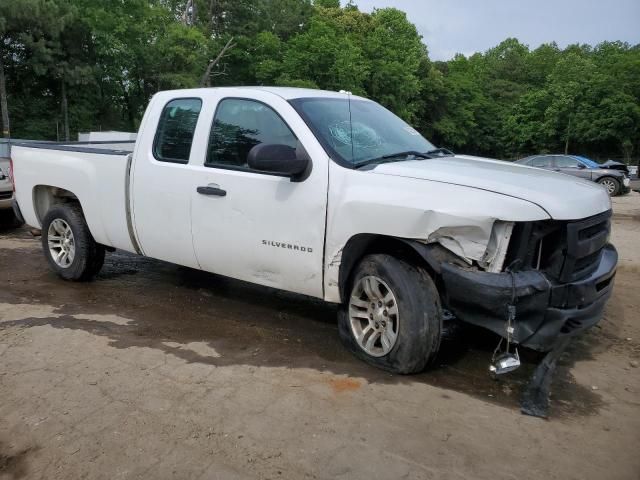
(96,173)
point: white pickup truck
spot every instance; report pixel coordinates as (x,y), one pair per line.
(332,196)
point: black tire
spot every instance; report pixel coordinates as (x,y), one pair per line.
(89,255)
(420,315)
(605,181)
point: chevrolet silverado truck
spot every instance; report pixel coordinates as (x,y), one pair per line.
(330,195)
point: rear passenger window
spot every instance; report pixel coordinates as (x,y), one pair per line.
(175,130)
(238,126)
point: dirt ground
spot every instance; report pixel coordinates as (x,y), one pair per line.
(157,371)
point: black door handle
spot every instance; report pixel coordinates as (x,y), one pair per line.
(218,192)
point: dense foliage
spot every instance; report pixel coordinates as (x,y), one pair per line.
(78,65)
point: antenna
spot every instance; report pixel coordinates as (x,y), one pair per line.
(348,94)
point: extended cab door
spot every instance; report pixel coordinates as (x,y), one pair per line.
(162,179)
(248,224)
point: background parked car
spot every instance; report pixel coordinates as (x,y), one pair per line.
(6,194)
(7,218)
(615,181)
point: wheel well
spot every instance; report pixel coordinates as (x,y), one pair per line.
(365,244)
(45,196)
(609,177)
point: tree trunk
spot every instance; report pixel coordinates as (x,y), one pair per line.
(205,81)
(65,111)
(6,131)
(214,18)
(130,109)
(566,143)
(189,15)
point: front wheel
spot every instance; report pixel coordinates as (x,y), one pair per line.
(68,244)
(611,185)
(392,318)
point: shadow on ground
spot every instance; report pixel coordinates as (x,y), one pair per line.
(258,326)
(13,465)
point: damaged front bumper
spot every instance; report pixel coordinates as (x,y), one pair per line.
(546,310)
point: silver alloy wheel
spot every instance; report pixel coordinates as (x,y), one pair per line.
(373,316)
(609,185)
(62,245)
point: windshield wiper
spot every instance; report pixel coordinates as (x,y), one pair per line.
(441,152)
(392,156)
(408,153)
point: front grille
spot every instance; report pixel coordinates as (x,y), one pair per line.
(565,250)
(5,195)
(585,240)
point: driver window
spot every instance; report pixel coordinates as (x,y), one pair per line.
(566,162)
(238,126)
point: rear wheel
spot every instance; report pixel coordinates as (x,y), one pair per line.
(611,185)
(68,244)
(392,318)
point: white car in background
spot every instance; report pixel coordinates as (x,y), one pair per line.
(6,188)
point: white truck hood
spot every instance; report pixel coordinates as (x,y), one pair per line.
(563,197)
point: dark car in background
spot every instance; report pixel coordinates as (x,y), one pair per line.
(613,165)
(614,180)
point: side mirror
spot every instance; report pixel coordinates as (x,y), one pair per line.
(581,166)
(281,160)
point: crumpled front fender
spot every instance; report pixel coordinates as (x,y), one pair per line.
(459,218)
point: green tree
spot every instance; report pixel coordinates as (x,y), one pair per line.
(29,32)
(84,64)
(396,52)
(327,3)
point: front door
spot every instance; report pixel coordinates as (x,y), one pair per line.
(253,226)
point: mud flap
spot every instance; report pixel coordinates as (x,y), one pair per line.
(535,398)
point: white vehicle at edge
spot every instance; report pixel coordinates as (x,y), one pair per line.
(332,196)
(6,189)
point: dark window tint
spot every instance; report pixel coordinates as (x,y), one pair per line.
(566,162)
(540,162)
(240,125)
(175,130)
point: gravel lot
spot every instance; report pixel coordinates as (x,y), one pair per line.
(157,371)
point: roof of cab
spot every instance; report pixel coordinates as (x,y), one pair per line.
(288,93)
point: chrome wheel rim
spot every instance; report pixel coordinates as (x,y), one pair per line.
(609,185)
(373,316)
(62,245)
